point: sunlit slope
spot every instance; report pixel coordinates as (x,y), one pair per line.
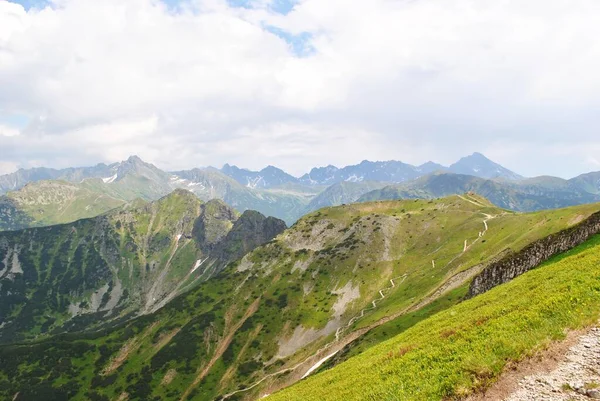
(263,321)
(465,348)
(53,202)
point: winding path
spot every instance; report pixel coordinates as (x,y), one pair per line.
(361,314)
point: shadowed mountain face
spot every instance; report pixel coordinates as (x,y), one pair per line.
(129,262)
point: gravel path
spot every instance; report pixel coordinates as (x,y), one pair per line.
(575,377)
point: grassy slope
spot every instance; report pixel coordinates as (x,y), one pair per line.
(465,348)
(258,303)
(56,202)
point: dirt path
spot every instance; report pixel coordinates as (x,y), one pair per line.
(567,371)
(315,360)
(471,201)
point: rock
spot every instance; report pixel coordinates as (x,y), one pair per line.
(594,394)
(533,255)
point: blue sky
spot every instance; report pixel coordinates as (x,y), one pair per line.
(298,42)
(280,6)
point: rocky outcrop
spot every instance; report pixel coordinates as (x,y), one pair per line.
(533,255)
(215,221)
(250,231)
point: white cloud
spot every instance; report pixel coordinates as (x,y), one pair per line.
(8,131)
(208,84)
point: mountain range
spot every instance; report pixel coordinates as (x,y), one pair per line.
(41,197)
(382,171)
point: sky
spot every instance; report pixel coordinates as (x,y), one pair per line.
(300,83)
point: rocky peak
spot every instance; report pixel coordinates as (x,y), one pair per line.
(215,221)
(251,230)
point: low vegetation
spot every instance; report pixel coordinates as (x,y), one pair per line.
(465,348)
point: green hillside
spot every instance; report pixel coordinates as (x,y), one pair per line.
(119,265)
(46,203)
(263,321)
(465,348)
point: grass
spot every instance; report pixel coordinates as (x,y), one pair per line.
(465,348)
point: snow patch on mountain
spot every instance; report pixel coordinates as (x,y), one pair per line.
(108,180)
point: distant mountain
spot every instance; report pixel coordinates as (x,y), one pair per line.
(525,195)
(480,166)
(388,171)
(430,167)
(589,182)
(89,191)
(397,172)
(341,193)
(128,262)
(42,203)
(210,183)
(133,166)
(268,177)
(20,178)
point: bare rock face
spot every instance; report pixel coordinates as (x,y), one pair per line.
(215,221)
(533,255)
(251,230)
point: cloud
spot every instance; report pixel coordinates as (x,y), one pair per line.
(8,131)
(323,82)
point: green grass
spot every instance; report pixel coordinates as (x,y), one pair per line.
(56,202)
(465,348)
(402,323)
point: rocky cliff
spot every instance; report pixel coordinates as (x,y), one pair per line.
(533,255)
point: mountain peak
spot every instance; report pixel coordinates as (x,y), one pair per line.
(179,196)
(479,165)
(268,177)
(134,159)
